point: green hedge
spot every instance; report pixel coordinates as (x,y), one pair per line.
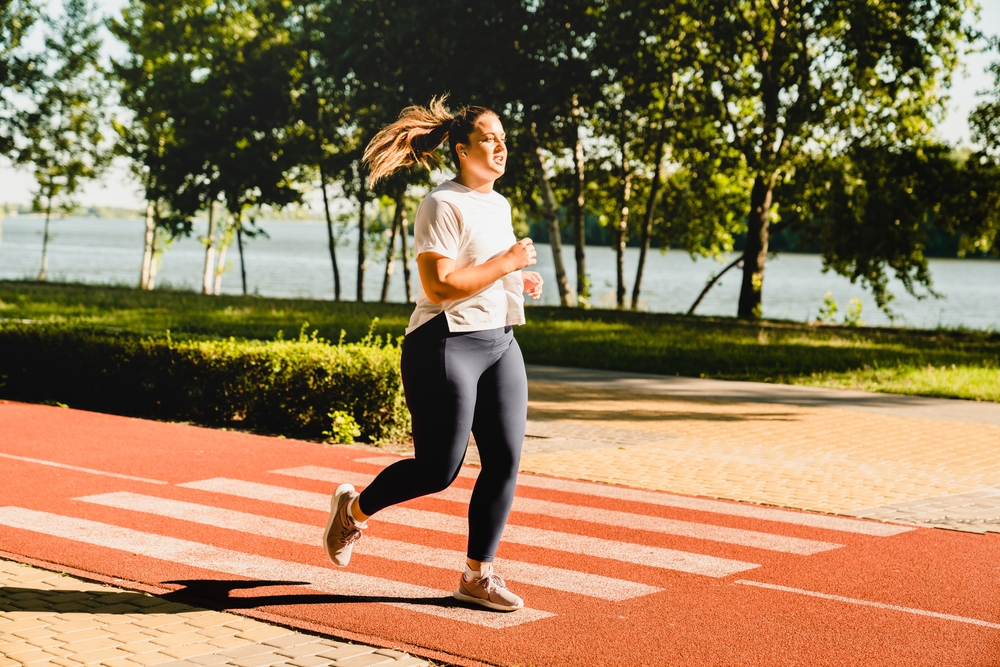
(277,387)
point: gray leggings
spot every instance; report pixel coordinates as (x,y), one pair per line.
(456,383)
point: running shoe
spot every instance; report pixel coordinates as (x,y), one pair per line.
(488,590)
(341,530)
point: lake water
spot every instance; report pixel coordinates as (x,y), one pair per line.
(294,262)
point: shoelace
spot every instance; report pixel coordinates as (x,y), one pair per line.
(350,535)
(492,583)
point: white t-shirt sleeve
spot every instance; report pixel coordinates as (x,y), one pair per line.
(437,228)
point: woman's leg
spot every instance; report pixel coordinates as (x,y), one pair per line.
(440,376)
(499,425)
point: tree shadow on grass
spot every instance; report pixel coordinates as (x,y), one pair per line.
(639,415)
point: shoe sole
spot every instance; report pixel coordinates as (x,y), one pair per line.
(459,595)
(334,510)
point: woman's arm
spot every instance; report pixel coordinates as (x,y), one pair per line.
(441,282)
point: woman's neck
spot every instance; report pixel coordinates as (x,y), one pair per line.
(479,185)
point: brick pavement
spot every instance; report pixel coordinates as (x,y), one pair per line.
(48,618)
(876,459)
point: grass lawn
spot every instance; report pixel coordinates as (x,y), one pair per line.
(958,364)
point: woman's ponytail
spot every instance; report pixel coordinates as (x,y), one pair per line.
(416,135)
(413,139)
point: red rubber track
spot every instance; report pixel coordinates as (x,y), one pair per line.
(693,620)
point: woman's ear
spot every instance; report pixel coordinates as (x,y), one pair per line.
(460,148)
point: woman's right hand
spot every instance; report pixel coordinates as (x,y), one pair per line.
(522,254)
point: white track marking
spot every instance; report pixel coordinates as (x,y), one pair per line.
(701,531)
(639,554)
(749,511)
(581,583)
(253,566)
(869,603)
(79,469)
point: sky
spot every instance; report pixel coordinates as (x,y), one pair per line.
(119,189)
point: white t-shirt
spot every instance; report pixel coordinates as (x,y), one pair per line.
(470,228)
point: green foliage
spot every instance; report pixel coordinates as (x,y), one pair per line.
(343,430)
(828,311)
(63,135)
(19,70)
(851,357)
(852,318)
(280,387)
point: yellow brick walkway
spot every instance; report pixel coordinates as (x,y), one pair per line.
(823,459)
(52,619)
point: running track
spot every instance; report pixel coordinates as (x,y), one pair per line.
(610,576)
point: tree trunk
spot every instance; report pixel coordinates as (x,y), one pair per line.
(362,229)
(45,241)
(579,226)
(239,245)
(224,241)
(404,238)
(390,253)
(711,283)
(147,250)
(755,254)
(156,250)
(331,238)
(647,223)
(621,231)
(208,275)
(552,218)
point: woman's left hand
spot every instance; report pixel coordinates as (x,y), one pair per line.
(532,284)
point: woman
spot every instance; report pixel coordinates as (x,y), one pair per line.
(462,369)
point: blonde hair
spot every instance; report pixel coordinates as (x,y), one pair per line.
(416,135)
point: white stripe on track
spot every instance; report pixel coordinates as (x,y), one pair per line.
(252,566)
(825,521)
(91,471)
(701,531)
(581,583)
(869,603)
(670,559)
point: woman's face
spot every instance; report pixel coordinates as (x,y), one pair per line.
(484,158)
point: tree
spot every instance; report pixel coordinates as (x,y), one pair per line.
(869,210)
(63,134)
(19,69)
(149,80)
(784,78)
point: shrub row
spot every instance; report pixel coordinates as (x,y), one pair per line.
(279,387)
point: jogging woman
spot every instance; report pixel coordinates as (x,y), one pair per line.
(462,369)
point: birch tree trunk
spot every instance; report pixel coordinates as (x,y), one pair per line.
(552,218)
(239,244)
(390,253)
(225,240)
(147,250)
(404,236)
(156,250)
(362,230)
(331,237)
(579,226)
(647,223)
(208,275)
(45,240)
(621,231)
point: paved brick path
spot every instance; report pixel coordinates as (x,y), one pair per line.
(49,618)
(915,460)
